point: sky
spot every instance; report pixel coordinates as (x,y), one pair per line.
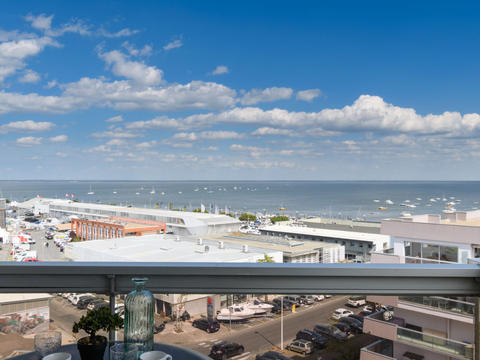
(250,90)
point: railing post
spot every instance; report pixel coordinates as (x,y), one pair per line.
(476,322)
(111,334)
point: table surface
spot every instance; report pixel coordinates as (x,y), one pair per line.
(178,353)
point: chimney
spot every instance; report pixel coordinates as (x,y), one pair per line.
(221,245)
(245,248)
(200,241)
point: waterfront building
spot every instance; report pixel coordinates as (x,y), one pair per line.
(342,224)
(426,327)
(114,227)
(3,214)
(177,222)
(357,245)
(171,248)
(294,251)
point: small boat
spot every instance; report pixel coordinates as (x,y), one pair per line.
(376,201)
(282,208)
(153,191)
(389,202)
(235,312)
(114,192)
(258,307)
(180,192)
(428,205)
(418,199)
(91,192)
(382,208)
(406,214)
(432,200)
(137,193)
(412,206)
(407,201)
(449,211)
(163,192)
(196,189)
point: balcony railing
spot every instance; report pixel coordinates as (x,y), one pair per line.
(442,304)
(378,350)
(451,347)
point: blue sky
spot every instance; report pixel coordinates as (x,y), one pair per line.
(247,90)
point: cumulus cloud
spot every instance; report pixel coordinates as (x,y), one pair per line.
(115,134)
(26,126)
(115,119)
(135,70)
(40,22)
(173,45)
(146,144)
(274,132)
(43,23)
(29,141)
(121,33)
(51,84)
(220,69)
(255,96)
(308,95)
(30,76)
(208,135)
(116,142)
(61,154)
(59,139)
(132,50)
(156,123)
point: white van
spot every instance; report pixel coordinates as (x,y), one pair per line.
(357,301)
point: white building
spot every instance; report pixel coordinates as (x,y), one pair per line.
(357,245)
(171,248)
(426,327)
(178,222)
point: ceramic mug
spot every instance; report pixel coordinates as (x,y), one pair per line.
(58,356)
(155,355)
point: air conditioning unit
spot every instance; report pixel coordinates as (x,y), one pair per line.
(200,241)
(245,248)
(221,245)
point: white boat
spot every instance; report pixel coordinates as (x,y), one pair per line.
(432,200)
(418,199)
(137,193)
(258,307)
(389,202)
(153,191)
(163,192)
(235,312)
(375,201)
(407,201)
(449,211)
(91,192)
(406,214)
(196,189)
(411,206)
(114,192)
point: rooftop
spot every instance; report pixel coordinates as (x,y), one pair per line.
(15,298)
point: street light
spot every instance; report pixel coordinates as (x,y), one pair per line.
(281,322)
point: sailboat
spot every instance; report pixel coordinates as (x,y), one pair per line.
(114,191)
(91,192)
(153,191)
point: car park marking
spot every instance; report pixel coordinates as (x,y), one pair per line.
(201,344)
(241,356)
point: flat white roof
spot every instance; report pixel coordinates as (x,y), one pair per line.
(336,234)
(16,298)
(163,248)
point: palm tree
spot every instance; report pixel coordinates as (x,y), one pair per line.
(266,259)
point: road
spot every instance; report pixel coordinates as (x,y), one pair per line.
(50,253)
(267,334)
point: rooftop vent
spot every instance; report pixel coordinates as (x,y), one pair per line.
(206,248)
(245,248)
(221,245)
(177,238)
(200,241)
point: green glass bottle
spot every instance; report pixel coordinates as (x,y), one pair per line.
(139,321)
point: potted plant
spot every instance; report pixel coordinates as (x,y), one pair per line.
(92,347)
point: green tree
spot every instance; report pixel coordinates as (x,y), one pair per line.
(247,217)
(266,259)
(277,218)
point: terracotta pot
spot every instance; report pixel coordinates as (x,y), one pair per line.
(90,351)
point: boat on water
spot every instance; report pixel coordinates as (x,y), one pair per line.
(137,193)
(432,200)
(449,211)
(153,192)
(91,192)
(418,198)
(376,201)
(389,202)
(406,214)
(382,208)
(196,189)
(258,307)
(235,313)
(163,193)
(114,192)
(282,208)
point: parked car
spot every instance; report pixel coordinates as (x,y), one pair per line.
(330,331)
(71,296)
(225,350)
(294,299)
(318,297)
(319,341)
(208,326)
(271,355)
(307,299)
(98,305)
(83,302)
(356,301)
(341,312)
(343,327)
(78,297)
(29,259)
(158,328)
(365,313)
(355,325)
(92,303)
(301,346)
(356,317)
(277,309)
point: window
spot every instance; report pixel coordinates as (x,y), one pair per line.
(448,253)
(430,251)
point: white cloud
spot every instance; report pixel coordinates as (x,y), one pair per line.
(115,119)
(115,134)
(274,132)
(220,69)
(59,139)
(208,135)
(30,76)
(255,96)
(116,142)
(26,126)
(135,70)
(40,22)
(29,141)
(156,123)
(173,44)
(132,50)
(61,154)
(51,84)
(121,33)
(146,144)
(308,95)
(210,148)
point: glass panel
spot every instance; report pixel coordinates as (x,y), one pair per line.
(430,251)
(448,253)
(416,249)
(408,248)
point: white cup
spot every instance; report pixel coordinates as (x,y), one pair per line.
(58,356)
(155,355)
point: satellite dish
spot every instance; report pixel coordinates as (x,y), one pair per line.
(388,315)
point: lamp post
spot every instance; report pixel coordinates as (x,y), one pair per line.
(281,322)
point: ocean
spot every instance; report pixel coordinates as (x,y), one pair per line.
(335,199)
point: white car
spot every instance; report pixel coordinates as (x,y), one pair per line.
(357,301)
(340,313)
(318,297)
(71,296)
(77,297)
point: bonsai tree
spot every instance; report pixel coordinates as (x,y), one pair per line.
(96,320)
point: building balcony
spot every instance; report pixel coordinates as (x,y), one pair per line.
(394,329)
(378,350)
(440,306)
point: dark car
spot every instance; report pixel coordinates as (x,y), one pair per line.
(330,331)
(365,313)
(158,328)
(343,327)
(83,303)
(287,304)
(318,340)
(272,355)
(100,304)
(208,326)
(277,308)
(355,325)
(356,317)
(225,350)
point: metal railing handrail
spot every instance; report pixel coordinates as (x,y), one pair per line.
(423,334)
(374,344)
(241,278)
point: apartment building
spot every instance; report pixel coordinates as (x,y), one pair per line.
(425,327)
